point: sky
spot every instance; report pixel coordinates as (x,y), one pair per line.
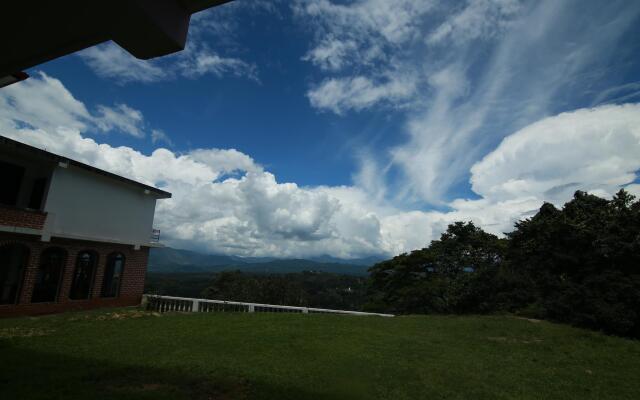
(353,128)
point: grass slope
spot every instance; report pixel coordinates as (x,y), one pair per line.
(128,354)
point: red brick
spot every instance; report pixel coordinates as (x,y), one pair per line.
(131,287)
(22,218)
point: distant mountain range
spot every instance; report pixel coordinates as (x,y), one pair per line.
(169,260)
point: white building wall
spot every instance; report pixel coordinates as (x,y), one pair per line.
(82,204)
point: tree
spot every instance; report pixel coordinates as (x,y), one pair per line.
(579,265)
(582,262)
(453,274)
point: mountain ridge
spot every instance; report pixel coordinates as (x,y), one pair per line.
(170,260)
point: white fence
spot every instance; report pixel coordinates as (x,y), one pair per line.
(184,304)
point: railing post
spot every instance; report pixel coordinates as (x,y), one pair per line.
(144,303)
(305,310)
(195,306)
(252,308)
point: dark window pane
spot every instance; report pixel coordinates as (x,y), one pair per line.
(49,275)
(10,182)
(37,193)
(113,275)
(13,261)
(83,276)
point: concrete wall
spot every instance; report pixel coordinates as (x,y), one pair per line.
(86,205)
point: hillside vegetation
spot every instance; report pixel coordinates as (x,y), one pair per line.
(579,264)
(130,354)
(306,289)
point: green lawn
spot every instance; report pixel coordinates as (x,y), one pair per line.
(128,354)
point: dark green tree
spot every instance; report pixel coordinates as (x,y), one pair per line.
(582,262)
(454,274)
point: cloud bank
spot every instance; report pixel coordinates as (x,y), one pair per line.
(226,202)
(465,75)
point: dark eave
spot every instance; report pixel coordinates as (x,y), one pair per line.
(34,32)
(10,144)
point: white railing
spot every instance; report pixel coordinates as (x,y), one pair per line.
(155,235)
(185,304)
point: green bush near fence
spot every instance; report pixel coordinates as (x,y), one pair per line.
(131,354)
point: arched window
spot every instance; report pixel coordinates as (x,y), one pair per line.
(113,275)
(49,276)
(13,262)
(83,275)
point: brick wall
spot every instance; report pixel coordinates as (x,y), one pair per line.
(131,287)
(22,218)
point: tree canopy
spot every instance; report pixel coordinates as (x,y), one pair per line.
(579,264)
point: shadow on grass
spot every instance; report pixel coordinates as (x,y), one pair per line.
(27,374)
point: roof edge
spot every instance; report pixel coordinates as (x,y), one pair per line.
(160,194)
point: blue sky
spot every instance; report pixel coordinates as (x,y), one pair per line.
(354,128)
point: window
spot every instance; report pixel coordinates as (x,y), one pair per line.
(10,184)
(37,193)
(13,262)
(113,275)
(83,276)
(47,282)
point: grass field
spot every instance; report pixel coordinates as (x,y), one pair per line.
(129,354)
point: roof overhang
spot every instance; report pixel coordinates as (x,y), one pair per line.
(16,147)
(35,32)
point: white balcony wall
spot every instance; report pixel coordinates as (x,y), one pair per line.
(86,205)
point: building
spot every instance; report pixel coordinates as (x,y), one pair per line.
(34,33)
(71,236)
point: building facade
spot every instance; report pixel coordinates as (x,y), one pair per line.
(71,236)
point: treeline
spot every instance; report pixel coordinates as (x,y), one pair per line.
(578,265)
(179,284)
(305,289)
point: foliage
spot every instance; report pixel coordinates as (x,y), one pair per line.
(453,275)
(583,262)
(177,284)
(579,264)
(310,289)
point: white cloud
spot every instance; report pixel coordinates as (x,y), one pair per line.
(370,36)
(225,161)
(634,189)
(212,27)
(159,136)
(332,54)
(51,106)
(464,75)
(589,149)
(357,93)
(223,201)
(121,118)
(595,150)
(43,102)
(250,214)
(478,19)
(533,68)
(196,63)
(367,21)
(111,61)
(108,60)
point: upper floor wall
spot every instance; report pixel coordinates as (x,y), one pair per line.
(48,195)
(84,205)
